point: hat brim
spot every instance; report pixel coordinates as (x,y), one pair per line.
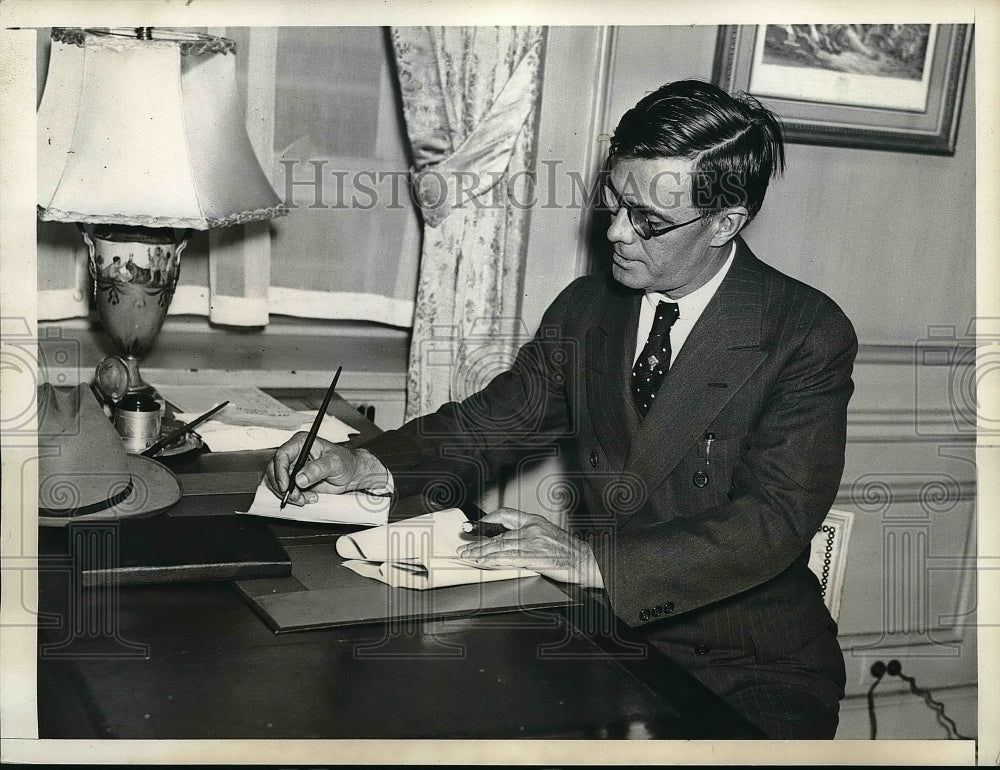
(157,490)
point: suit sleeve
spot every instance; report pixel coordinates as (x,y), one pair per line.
(783,486)
(463,445)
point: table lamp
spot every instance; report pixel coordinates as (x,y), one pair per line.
(141,141)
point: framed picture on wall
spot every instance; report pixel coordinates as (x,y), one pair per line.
(873,86)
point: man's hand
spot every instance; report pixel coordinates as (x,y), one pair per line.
(535,543)
(331,469)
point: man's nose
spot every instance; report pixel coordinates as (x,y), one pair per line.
(620,230)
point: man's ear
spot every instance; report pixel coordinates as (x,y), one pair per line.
(728,223)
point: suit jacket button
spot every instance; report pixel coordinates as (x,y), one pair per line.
(700,479)
(657,610)
(593,459)
(701,649)
(668,607)
(644,615)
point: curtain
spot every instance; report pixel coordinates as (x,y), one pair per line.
(470,99)
(351,247)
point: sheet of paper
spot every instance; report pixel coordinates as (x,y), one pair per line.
(434,535)
(247,405)
(420,553)
(224,437)
(413,576)
(350,508)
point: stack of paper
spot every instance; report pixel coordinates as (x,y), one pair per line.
(224,437)
(252,420)
(421,553)
(361,508)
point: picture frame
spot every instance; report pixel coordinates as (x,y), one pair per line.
(882,87)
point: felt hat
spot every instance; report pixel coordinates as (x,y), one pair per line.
(84,472)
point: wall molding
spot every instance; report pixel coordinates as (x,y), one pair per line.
(922,393)
(964,354)
(927,491)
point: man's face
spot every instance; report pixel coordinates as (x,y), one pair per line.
(679,261)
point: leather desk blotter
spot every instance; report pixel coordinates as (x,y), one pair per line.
(170,549)
(322,593)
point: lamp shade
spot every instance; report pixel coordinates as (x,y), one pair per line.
(146,132)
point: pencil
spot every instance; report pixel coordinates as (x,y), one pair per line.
(310,439)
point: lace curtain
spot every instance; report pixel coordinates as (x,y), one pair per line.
(470,99)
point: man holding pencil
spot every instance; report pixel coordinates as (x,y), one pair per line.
(702,394)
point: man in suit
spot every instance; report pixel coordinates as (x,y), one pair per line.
(703,395)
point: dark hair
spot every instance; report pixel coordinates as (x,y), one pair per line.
(735,140)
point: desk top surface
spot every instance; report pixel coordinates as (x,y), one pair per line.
(192,660)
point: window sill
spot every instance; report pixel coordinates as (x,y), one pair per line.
(281,355)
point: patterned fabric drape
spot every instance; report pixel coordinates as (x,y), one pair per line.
(470,99)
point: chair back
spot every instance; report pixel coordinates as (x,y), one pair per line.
(828,556)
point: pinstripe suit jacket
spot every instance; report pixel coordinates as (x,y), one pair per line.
(717,568)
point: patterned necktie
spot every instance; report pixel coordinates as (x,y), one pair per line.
(654,360)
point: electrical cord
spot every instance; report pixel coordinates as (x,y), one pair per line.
(895,668)
(878,671)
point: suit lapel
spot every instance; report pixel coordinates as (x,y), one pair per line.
(609,347)
(722,349)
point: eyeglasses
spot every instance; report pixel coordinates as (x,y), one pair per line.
(637,217)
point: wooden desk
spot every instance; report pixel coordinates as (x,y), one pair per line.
(192,660)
